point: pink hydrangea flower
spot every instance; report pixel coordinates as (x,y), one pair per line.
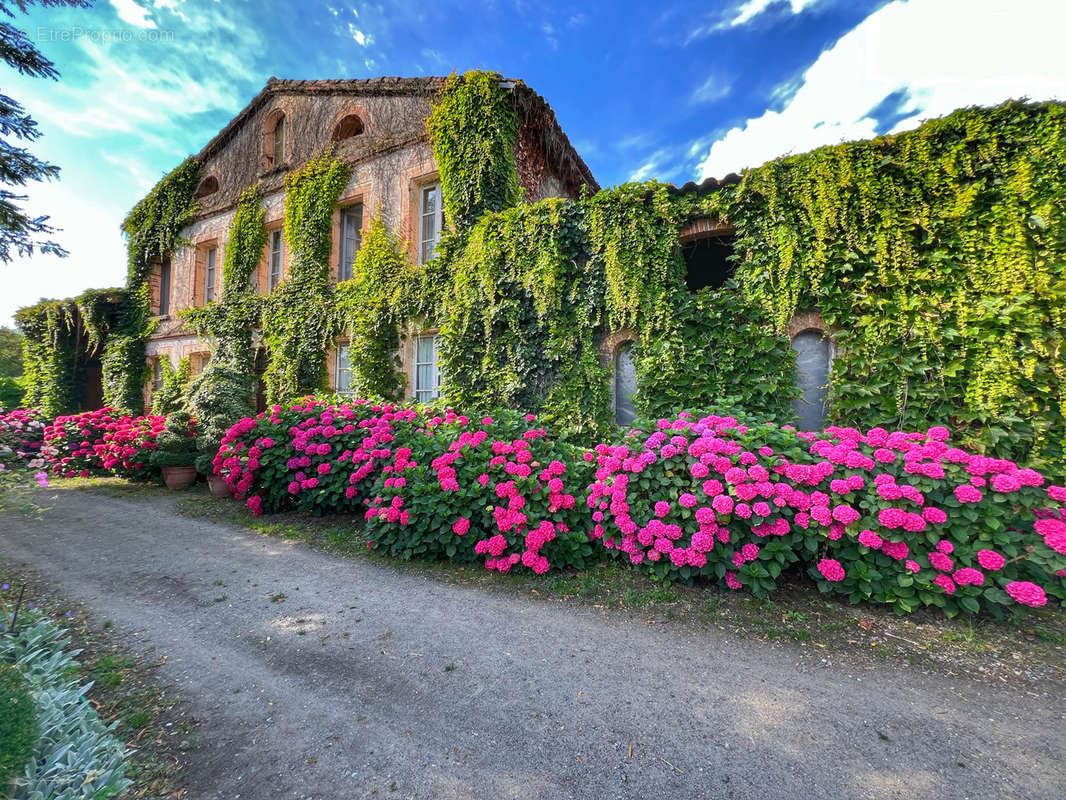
(870,539)
(934,515)
(896,550)
(913,566)
(731,581)
(990,560)
(723,504)
(1027,593)
(968,576)
(461,526)
(946,583)
(968,494)
(941,561)
(831,569)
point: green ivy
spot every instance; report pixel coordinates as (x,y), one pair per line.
(153,229)
(298,320)
(937,256)
(368,312)
(229,322)
(718,352)
(171,395)
(61,337)
(473,129)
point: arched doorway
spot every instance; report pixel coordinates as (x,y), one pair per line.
(812,376)
(625,384)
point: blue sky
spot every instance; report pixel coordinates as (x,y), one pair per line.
(672,90)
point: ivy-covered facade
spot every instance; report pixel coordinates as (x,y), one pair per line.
(409,238)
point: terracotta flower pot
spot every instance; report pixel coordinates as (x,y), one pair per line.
(218,487)
(179,477)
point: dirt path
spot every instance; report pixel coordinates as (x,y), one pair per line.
(322,677)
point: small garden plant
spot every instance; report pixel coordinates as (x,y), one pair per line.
(176,445)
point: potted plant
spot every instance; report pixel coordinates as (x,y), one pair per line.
(176,451)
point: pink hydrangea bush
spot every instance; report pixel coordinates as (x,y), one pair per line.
(126,445)
(312,455)
(101,442)
(21,434)
(699,497)
(70,442)
(898,518)
(937,525)
(498,490)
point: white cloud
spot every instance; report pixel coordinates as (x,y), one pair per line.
(362,39)
(132,13)
(943,54)
(753,8)
(712,90)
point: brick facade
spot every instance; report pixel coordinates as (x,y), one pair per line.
(391,161)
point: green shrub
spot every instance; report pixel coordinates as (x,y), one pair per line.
(219,397)
(176,444)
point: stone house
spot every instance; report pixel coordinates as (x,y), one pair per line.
(378,127)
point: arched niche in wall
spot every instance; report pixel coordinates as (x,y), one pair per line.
(275,135)
(346,127)
(208,186)
(814,354)
(625,384)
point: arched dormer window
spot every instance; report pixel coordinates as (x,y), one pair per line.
(208,186)
(347,127)
(275,135)
(813,358)
(625,384)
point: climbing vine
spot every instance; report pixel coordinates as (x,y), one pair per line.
(298,321)
(937,255)
(62,337)
(368,312)
(231,320)
(171,395)
(153,229)
(473,130)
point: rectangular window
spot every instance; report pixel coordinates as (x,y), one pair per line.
(210,260)
(427,371)
(157,374)
(343,372)
(164,287)
(351,239)
(431,220)
(275,260)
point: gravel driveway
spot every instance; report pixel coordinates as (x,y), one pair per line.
(322,677)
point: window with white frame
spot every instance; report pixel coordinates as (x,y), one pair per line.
(157,374)
(351,239)
(342,381)
(210,269)
(274,272)
(431,220)
(427,368)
